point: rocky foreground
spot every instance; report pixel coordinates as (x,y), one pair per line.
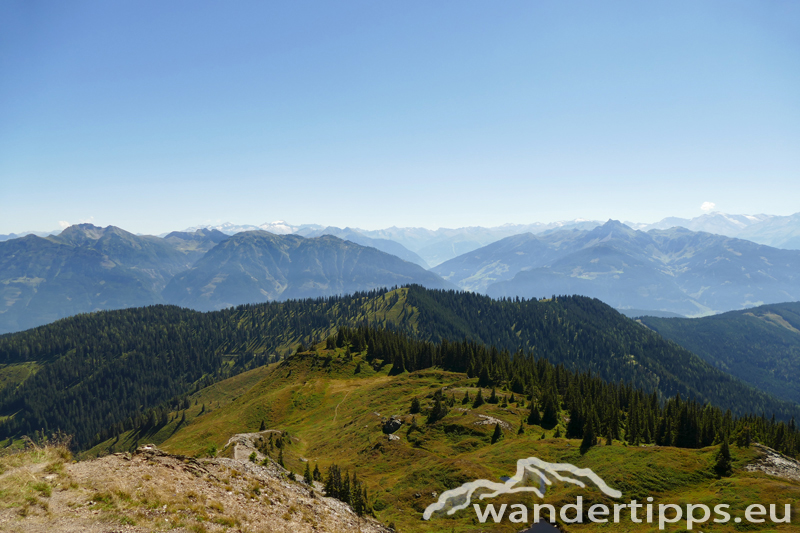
(41,490)
(775,464)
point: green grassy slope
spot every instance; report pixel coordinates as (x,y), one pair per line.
(117,364)
(333,415)
(97,371)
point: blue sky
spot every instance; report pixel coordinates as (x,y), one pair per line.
(155,116)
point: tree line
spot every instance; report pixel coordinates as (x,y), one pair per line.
(583,404)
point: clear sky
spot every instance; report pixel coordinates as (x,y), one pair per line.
(156,116)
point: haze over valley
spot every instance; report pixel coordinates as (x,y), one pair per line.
(685,270)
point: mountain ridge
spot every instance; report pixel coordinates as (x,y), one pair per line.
(87,268)
(674,270)
(759,345)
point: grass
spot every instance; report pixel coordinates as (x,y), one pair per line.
(334,415)
(27,476)
(381,310)
(213,397)
(11,376)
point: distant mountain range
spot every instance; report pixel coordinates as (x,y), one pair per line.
(279,227)
(675,270)
(195,244)
(650,270)
(437,246)
(772,230)
(9,236)
(83,269)
(86,268)
(419,245)
(385,245)
(257,266)
(432,247)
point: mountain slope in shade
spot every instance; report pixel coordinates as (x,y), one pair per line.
(384,245)
(258,266)
(438,246)
(760,346)
(674,270)
(83,269)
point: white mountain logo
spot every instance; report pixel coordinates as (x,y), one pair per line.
(530,469)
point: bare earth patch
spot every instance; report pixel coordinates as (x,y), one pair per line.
(154,491)
(775,464)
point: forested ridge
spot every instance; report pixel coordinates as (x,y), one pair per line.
(586,334)
(760,345)
(586,405)
(106,368)
(103,370)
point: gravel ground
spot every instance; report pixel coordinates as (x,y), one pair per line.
(775,464)
(154,491)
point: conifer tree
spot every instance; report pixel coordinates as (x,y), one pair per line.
(317,475)
(743,439)
(307,475)
(356,496)
(498,433)
(344,492)
(550,414)
(415,407)
(493,397)
(723,463)
(589,438)
(333,482)
(534,418)
(478,400)
(483,378)
(340,340)
(521,430)
(438,412)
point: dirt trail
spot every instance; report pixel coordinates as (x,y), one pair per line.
(336,411)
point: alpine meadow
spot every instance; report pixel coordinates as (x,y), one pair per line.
(451,267)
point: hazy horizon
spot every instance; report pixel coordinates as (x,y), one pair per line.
(154,117)
(323,224)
